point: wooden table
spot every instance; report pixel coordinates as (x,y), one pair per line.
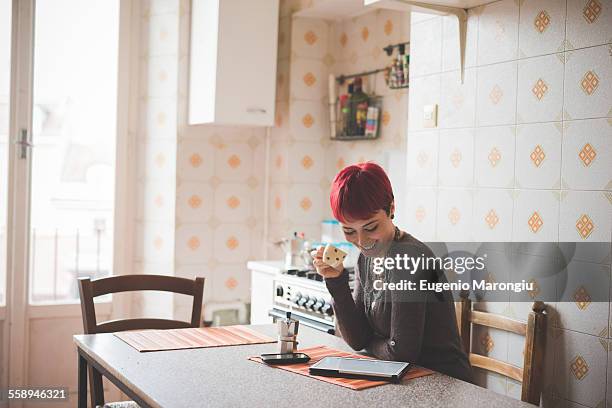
(222,377)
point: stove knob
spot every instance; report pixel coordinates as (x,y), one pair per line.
(279,291)
(301,273)
(303,300)
(295,299)
(317,306)
(327,309)
(310,303)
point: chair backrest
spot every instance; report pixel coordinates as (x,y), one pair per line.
(89,289)
(530,376)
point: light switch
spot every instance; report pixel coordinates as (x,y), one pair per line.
(430,116)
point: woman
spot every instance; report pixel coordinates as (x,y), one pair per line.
(415,326)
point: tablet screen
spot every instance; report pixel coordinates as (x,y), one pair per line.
(361,366)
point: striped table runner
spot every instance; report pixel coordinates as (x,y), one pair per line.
(176,339)
(318,352)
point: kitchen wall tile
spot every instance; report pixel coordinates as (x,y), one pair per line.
(490,342)
(499,20)
(450,41)
(587,154)
(194,243)
(305,202)
(454,215)
(159,77)
(233,202)
(540,89)
(494,156)
(389,27)
(424,91)
(493,381)
(538,155)
(232,282)
(492,219)
(426,48)
(588,93)
(308,162)
(160,34)
(585,217)
(234,162)
(194,202)
(156,160)
(309,79)
(588,23)
(541,27)
(496,95)
(422,158)
(584,291)
(195,160)
(419,211)
(155,200)
(231,242)
(309,120)
(456,157)
(580,368)
(458,101)
(154,242)
(309,37)
(277,202)
(158,119)
(536,216)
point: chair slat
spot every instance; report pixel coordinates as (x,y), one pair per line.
(129,283)
(498,322)
(497,366)
(112,326)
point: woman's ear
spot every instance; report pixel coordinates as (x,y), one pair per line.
(392,209)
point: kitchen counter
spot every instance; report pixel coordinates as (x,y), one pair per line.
(222,376)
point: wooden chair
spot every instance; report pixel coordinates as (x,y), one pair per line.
(530,376)
(89,289)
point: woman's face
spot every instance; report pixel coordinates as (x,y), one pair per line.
(373,235)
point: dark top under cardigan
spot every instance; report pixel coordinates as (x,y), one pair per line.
(414,326)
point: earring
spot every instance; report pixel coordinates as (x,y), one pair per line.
(392,216)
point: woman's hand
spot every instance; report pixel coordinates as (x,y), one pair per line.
(324,269)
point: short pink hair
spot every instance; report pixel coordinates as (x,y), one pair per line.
(359,191)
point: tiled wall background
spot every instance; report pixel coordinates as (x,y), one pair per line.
(523,152)
(303,159)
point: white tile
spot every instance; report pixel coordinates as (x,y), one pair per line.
(538,155)
(498,32)
(195,160)
(156,160)
(233,202)
(494,156)
(584,298)
(587,154)
(159,77)
(456,157)
(309,79)
(580,368)
(587,88)
(496,97)
(158,119)
(450,42)
(492,219)
(490,342)
(389,26)
(234,162)
(588,23)
(585,217)
(422,158)
(232,282)
(305,202)
(231,242)
(458,100)
(194,243)
(423,91)
(194,202)
(540,89)
(155,200)
(161,35)
(454,215)
(426,48)
(541,27)
(309,37)
(307,163)
(419,210)
(536,216)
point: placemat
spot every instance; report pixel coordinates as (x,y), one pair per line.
(201,337)
(318,352)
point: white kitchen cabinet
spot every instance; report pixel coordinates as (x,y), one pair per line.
(262,296)
(232,77)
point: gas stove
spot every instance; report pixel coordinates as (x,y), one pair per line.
(304,294)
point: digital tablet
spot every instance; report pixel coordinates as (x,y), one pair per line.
(378,370)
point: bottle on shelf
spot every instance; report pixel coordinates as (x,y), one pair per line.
(358,103)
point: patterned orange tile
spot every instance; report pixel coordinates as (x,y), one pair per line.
(306,203)
(278,161)
(232,243)
(591,11)
(233,202)
(584,226)
(308,120)
(365,33)
(487,343)
(579,368)
(589,82)
(582,298)
(310,37)
(231,283)
(537,156)
(386,118)
(542,21)
(340,163)
(277,202)
(455,158)
(492,219)
(194,201)
(496,94)
(539,89)
(587,154)
(388,27)
(420,213)
(535,222)
(494,157)
(195,160)
(454,216)
(309,79)
(193,243)
(234,161)
(307,162)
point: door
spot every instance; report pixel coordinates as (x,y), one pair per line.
(60,161)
